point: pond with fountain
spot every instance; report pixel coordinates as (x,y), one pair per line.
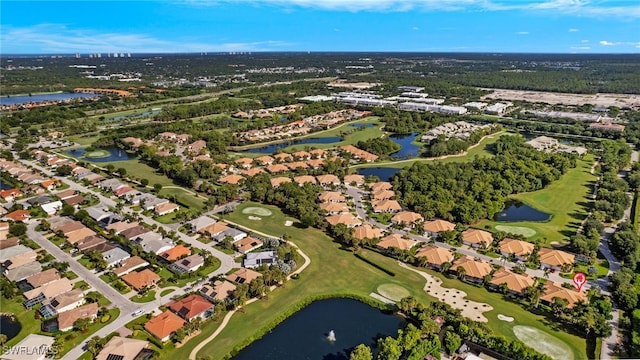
(326,329)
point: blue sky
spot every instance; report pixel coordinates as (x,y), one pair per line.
(556,26)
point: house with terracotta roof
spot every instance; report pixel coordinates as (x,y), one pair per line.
(233,179)
(283,157)
(518,248)
(406,218)
(348,219)
(67,318)
(122,348)
(477,238)
(334,208)
(367,231)
(301,155)
(264,160)
(220,290)
(382,195)
(49,184)
(252,172)
(244,162)
(129,265)
(191,307)
(515,283)
(166,208)
(315,163)
(555,290)
(386,206)
(141,279)
(435,256)
(359,153)
(277,181)
(175,253)
(247,244)
(197,146)
(214,229)
(243,276)
(18,215)
(79,235)
(298,165)
(189,264)
(555,259)
(276,168)
(380,185)
(474,270)
(328,180)
(164,325)
(354,179)
(396,241)
(332,196)
(318,153)
(434,227)
(303,179)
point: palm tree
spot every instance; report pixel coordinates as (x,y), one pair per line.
(547,271)
(461,272)
(3,339)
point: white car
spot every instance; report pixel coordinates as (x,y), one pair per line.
(137,312)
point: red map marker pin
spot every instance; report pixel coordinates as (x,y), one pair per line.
(579,279)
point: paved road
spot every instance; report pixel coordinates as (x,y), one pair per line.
(356,194)
(227,261)
(118,300)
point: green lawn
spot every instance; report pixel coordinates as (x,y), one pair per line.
(26,318)
(84,140)
(482,150)
(566,199)
(149,296)
(521,315)
(138,169)
(182,197)
(362,279)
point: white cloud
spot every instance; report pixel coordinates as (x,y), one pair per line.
(415,28)
(584,41)
(573,30)
(601,8)
(58,38)
(580,47)
(607,43)
(620,43)
(522,33)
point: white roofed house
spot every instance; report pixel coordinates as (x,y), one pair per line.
(256,259)
(156,246)
(52,207)
(115,256)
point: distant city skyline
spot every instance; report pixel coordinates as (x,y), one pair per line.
(195,26)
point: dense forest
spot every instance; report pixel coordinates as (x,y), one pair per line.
(467,192)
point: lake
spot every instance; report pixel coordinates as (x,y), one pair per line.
(116,154)
(270,149)
(9,326)
(408,149)
(518,211)
(304,335)
(384,174)
(25,99)
(133,116)
(4,185)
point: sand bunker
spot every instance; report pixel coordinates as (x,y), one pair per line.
(288,223)
(455,298)
(505,318)
(251,217)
